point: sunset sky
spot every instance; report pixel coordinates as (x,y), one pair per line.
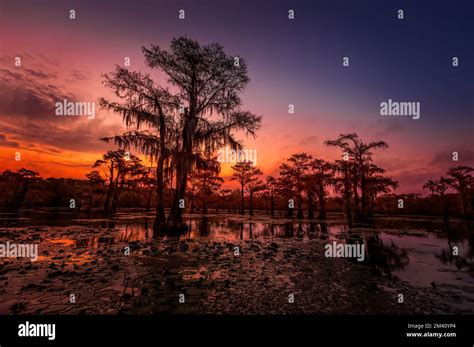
(290,62)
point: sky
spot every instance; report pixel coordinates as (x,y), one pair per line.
(296,62)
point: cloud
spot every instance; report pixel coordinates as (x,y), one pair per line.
(6,143)
(39,74)
(81,137)
(25,95)
(27,109)
(308,140)
(387,127)
(76,165)
(79,75)
(445,158)
(394,163)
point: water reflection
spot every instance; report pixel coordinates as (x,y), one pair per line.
(420,251)
(385,258)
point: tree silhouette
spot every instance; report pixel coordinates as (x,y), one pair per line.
(147,180)
(149,108)
(443,185)
(21,181)
(438,189)
(205,181)
(361,153)
(207,83)
(285,189)
(343,171)
(293,171)
(462,180)
(97,185)
(131,177)
(271,184)
(431,186)
(378,184)
(253,188)
(226,194)
(320,178)
(244,173)
(118,165)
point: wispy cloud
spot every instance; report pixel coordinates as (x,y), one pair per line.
(4,142)
(27,109)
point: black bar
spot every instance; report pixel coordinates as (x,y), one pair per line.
(220,330)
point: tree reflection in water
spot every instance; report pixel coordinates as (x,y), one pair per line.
(385,258)
(458,252)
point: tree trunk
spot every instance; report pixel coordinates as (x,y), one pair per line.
(204,206)
(242,211)
(110,189)
(272,205)
(347,207)
(289,211)
(118,191)
(356,198)
(160,206)
(251,203)
(175,219)
(364,197)
(300,214)
(148,202)
(322,204)
(310,205)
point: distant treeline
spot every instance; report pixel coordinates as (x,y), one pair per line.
(24,189)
